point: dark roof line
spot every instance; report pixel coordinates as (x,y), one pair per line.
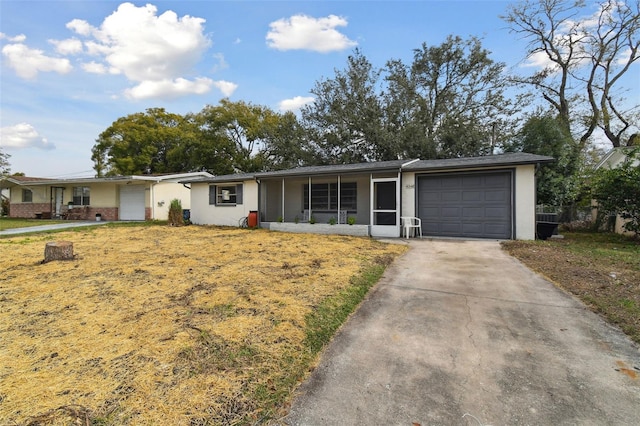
(498,160)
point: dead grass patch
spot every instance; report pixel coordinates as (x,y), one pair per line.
(603,270)
(165,325)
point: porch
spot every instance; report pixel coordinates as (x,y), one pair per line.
(361,204)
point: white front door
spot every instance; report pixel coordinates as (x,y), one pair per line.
(385,199)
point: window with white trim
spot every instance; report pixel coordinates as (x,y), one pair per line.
(81,195)
(27,196)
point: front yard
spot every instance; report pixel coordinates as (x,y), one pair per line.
(603,270)
(161,325)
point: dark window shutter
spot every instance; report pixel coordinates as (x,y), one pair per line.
(239,193)
(212,194)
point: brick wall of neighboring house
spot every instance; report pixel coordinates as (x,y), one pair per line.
(106,213)
(28,210)
(89,213)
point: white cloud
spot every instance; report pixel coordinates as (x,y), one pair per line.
(308,33)
(167,89)
(154,51)
(295,103)
(149,47)
(23,135)
(80,26)
(221,63)
(226,87)
(70,46)
(538,60)
(28,62)
(94,68)
(17,39)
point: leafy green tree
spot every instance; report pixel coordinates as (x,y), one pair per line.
(560,182)
(5,167)
(617,192)
(143,143)
(450,102)
(246,128)
(346,119)
(586,56)
(287,146)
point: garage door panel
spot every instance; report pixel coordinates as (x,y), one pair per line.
(472,212)
(471,181)
(495,212)
(431,196)
(472,196)
(453,197)
(493,195)
(473,228)
(474,205)
(496,180)
(495,229)
(450,183)
(450,228)
(450,212)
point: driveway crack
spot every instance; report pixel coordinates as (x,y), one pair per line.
(466,325)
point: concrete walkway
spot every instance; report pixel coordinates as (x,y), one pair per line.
(51,227)
(460,333)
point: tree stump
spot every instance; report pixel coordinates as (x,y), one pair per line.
(58,250)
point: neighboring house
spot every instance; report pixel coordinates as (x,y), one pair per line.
(482,197)
(612,159)
(143,197)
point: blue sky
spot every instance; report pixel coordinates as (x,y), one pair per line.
(71,68)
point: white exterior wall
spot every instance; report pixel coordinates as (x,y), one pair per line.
(408,190)
(203,213)
(161,195)
(525,202)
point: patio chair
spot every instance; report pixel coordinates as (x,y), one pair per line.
(411,226)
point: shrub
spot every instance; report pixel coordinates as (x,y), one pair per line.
(4,208)
(175,213)
(617,193)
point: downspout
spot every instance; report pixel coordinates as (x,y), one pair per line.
(259,200)
(152,199)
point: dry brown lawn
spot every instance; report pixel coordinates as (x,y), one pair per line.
(161,325)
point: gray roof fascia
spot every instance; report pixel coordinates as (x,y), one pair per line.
(144,178)
(237,177)
(498,160)
(376,166)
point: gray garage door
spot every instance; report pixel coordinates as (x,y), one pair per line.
(473,205)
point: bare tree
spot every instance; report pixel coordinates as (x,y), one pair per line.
(583,58)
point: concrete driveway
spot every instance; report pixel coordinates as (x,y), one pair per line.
(460,333)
